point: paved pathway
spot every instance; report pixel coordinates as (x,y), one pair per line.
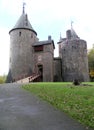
(21,110)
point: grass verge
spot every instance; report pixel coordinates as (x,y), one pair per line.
(77,101)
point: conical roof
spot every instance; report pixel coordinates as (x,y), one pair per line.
(73,34)
(23,23)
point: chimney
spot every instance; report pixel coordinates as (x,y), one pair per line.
(68,34)
(49,38)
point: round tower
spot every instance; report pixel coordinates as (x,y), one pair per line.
(22,36)
(73,52)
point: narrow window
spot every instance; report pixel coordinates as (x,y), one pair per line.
(19,33)
(31,35)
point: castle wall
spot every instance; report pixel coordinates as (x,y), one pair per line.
(74,60)
(57,69)
(45,58)
(21,62)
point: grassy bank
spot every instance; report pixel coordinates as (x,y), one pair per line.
(77,101)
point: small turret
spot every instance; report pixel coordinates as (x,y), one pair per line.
(68,34)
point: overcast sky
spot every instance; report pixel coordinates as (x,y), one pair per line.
(50,17)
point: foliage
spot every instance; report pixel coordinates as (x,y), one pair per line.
(91,62)
(77,101)
(91,73)
(2,79)
(91,58)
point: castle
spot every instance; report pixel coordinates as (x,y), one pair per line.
(31,57)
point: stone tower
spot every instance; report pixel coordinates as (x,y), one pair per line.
(22,36)
(73,52)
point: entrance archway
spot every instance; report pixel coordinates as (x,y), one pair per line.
(40,71)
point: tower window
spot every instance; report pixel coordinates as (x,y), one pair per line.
(73,47)
(31,35)
(38,48)
(19,33)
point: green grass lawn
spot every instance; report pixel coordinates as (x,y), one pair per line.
(77,101)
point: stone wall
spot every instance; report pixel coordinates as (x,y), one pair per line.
(45,58)
(57,70)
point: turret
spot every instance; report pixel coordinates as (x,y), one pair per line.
(22,36)
(73,52)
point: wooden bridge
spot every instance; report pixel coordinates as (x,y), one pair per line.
(28,79)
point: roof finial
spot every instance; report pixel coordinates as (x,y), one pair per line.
(24,7)
(71,24)
(60,36)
